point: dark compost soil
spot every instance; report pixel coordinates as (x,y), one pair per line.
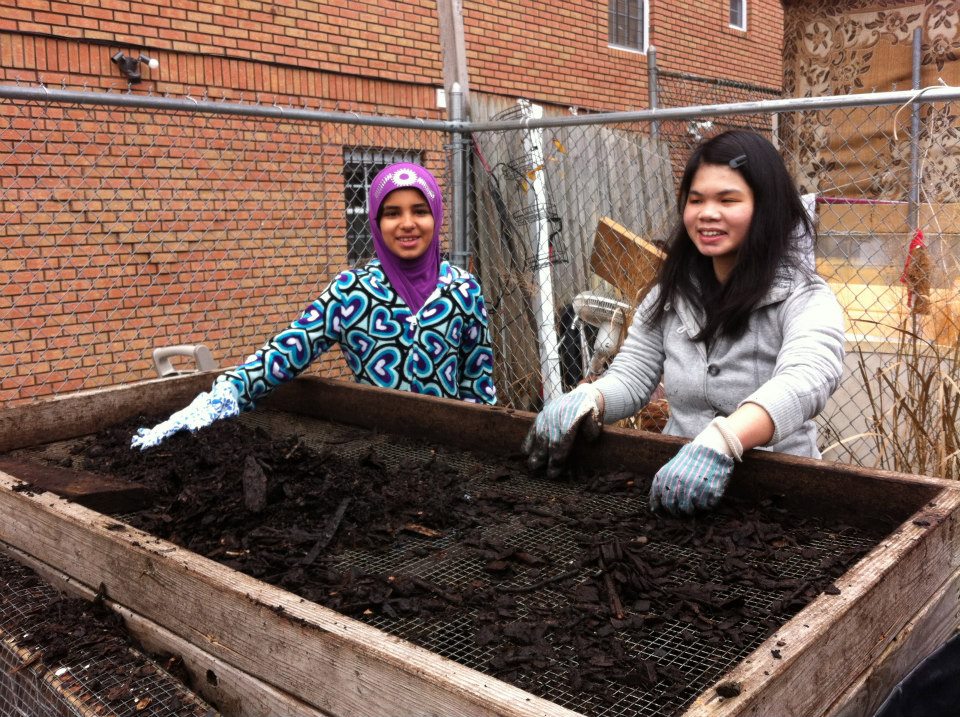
(719,583)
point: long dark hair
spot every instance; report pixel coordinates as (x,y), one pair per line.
(771,243)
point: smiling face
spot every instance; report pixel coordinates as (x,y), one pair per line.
(406,223)
(717,215)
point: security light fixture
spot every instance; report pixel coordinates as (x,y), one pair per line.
(130,66)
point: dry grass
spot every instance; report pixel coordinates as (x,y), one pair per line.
(914,403)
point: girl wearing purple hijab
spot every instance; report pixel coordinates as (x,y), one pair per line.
(407,320)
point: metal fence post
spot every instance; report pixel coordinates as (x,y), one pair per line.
(913,218)
(460,251)
(652,81)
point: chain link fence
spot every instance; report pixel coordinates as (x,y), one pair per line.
(681,89)
(132,223)
(173,222)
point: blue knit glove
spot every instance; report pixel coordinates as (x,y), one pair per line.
(206,408)
(694,479)
(553,432)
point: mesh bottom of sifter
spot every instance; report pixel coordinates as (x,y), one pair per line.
(85,682)
(703,664)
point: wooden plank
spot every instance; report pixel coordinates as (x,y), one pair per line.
(931,627)
(59,418)
(647,181)
(860,496)
(331,662)
(236,693)
(453,48)
(667,203)
(865,497)
(624,177)
(804,667)
(578,205)
(95,491)
(624,259)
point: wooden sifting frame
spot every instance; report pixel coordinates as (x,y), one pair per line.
(270,652)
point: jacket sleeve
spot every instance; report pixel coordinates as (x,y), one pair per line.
(476,355)
(636,370)
(290,352)
(809,365)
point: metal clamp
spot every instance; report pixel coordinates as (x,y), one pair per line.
(200,353)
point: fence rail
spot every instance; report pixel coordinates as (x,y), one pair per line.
(132,222)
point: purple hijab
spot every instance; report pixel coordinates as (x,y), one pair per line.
(413,279)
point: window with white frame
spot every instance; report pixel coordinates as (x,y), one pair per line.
(738,14)
(360,166)
(628,24)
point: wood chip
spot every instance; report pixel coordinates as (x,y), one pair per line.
(421,530)
(254,486)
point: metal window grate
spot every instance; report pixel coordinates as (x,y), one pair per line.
(627,20)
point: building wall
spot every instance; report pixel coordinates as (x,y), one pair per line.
(696,38)
(189,35)
(558,51)
(554,51)
(220,231)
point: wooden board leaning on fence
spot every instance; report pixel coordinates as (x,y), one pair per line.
(629,262)
(624,259)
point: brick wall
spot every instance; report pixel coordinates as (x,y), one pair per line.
(333,36)
(127,230)
(124,230)
(555,51)
(558,50)
(696,38)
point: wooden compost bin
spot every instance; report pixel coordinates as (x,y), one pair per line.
(260,650)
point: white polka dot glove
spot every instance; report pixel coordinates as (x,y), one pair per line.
(206,408)
(697,477)
(553,432)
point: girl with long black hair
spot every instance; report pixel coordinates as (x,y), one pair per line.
(747,338)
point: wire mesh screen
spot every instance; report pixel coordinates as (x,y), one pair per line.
(451,565)
(447,563)
(679,89)
(92,680)
(128,229)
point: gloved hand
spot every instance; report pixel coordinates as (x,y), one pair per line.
(553,432)
(696,478)
(206,408)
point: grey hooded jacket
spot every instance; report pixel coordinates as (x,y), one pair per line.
(789,361)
